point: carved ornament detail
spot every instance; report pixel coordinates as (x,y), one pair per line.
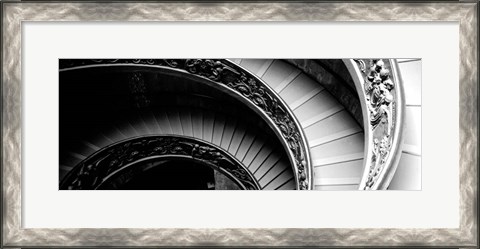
(380,98)
(92,172)
(138,89)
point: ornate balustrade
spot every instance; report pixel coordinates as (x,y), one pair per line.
(382,99)
(96,171)
(241,84)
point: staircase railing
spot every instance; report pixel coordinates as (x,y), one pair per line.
(380,90)
(103,167)
(246,87)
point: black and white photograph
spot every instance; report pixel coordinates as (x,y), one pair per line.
(240,124)
(119,117)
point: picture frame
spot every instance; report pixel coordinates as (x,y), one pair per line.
(14,13)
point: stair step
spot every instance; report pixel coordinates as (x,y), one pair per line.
(208,125)
(141,127)
(336,159)
(298,88)
(66,167)
(334,137)
(246,144)
(343,169)
(87,148)
(175,121)
(237,138)
(287,81)
(152,124)
(290,185)
(345,146)
(331,128)
(252,65)
(69,160)
(150,127)
(218,129)
(186,120)
(266,65)
(197,124)
(262,155)
(269,162)
(230,126)
(254,150)
(279,180)
(279,74)
(273,172)
(77,156)
(164,122)
(319,117)
(256,66)
(306,98)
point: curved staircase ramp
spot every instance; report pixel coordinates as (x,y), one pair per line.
(336,140)
(408,174)
(267,163)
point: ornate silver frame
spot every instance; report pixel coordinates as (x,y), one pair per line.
(14,12)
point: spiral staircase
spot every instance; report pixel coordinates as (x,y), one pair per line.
(336,140)
(266,161)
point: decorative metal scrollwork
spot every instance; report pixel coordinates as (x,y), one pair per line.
(138,89)
(251,88)
(381,100)
(96,169)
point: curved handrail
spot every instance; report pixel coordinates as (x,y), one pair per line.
(297,141)
(98,168)
(247,87)
(381,93)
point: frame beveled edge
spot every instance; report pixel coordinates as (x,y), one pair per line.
(13,13)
